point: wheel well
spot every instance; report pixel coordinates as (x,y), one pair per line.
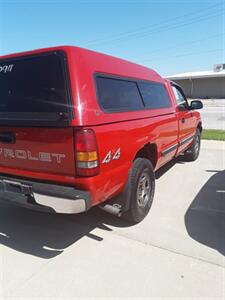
(200,126)
(149,151)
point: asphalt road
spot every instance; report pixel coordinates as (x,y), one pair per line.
(213,114)
(213,117)
(177,251)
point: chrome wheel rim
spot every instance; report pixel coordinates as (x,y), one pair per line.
(143,189)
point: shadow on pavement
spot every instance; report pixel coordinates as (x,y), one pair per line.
(47,235)
(205,218)
(168,166)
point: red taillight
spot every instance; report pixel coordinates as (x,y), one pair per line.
(86,153)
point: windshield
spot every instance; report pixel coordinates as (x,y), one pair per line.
(34,87)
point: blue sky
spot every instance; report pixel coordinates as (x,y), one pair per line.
(168,36)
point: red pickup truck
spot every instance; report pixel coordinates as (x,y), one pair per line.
(79,129)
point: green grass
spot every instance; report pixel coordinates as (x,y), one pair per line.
(213,134)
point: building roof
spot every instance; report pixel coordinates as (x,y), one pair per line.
(201,74)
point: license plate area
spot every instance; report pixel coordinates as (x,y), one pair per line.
(15,187)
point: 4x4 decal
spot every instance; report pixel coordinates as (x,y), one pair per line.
(111,156)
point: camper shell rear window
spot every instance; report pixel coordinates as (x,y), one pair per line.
(34,90)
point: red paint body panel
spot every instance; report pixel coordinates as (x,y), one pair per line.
(40,149)
(129,131)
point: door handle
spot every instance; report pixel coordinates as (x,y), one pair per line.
(183,120)
(7,137)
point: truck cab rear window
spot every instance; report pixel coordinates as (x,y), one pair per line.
(34,87)
(154,95)
(118,95)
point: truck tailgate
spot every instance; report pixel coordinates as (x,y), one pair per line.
(48,150)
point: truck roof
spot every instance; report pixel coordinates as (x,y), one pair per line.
(99,62)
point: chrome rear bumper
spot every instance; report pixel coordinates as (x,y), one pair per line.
(44,196)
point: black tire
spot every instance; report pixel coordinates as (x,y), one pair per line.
(139,191)
(192,153)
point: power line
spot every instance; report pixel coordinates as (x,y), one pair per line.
(183,44)
(186,55)
(152,26)
(158,27)
(163,29)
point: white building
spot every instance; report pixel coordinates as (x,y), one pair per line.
(205,84)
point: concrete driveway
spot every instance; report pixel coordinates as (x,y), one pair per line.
(177,251)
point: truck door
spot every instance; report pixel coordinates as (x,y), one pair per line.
(186,124)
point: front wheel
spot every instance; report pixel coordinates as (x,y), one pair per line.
(192,153)
(139,190)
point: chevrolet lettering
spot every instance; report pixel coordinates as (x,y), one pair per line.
(40,156)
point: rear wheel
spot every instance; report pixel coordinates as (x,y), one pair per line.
(192,153)
(140,190)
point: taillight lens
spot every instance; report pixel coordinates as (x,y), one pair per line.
(86,152)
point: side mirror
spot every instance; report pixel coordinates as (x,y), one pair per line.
(196,104)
